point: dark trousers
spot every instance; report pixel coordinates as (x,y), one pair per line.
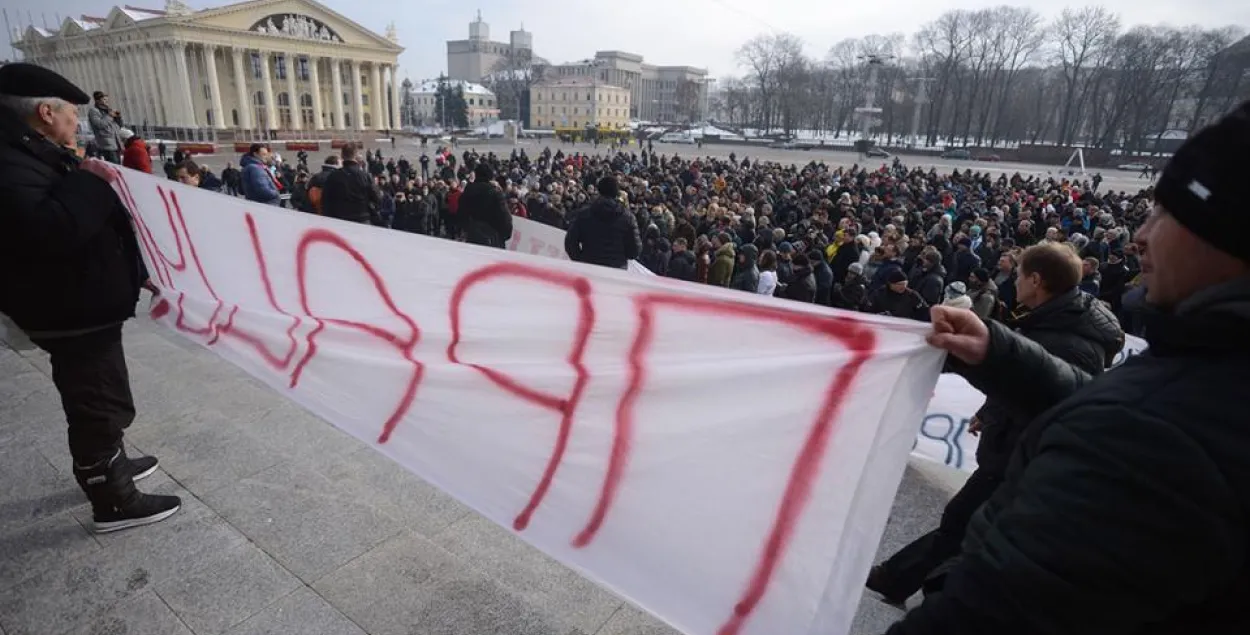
(112,156)
(90,373)
(906,571)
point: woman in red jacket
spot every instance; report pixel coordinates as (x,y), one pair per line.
(136,156)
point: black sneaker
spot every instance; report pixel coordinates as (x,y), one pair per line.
(144,509)
(115,503)
(142,467)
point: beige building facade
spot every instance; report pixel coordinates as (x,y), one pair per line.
(668,94)
(578,102)
(473,59)
(291,65)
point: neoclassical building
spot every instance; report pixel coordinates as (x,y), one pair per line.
(290,65)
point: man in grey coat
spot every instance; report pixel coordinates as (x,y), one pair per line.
(106,126)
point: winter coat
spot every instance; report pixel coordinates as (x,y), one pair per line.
(907,304)
(484,215)
(1124,507)
(882,273)
(1092,284)
(136,156)
(349,194)
(722,270)
(105,129)
(841,263)
(1074,327)
(985,300)
(851,294)
(682,266)
(824,281)
(69,259)
(803,286)
(604,233)
(747,277)
(656,253)
(768,283)
(929,283)
(258,183)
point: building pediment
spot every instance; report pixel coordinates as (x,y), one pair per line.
(294,19)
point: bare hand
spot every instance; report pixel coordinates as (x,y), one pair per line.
(975,426)
(959,332)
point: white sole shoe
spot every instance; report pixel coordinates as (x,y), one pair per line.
(118,525)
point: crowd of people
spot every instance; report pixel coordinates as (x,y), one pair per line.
(884,239)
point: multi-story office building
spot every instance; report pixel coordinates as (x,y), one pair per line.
(657,93)
(578,102)
(475,58)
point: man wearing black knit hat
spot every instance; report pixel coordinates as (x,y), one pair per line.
(1125,507)
(70,275)
(605,233)
(484,211)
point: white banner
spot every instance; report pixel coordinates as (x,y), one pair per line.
(944,435)
(533,237)
(725,461)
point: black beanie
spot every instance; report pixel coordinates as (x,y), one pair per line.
(1203,185)
(609,187)
(483,173)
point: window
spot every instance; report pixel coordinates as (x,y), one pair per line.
(208,117)
(306,110)
(471,101)
(259,111)
(564,96)
(258,68)
(234,115)
(284,110)
(345,74)
(347,120)
(347,100)
(206,94)
(364,100)
(279,63)
(301,68)
(366,118)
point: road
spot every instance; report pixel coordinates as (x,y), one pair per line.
(1112,179)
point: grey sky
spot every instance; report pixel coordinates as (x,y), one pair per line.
(702,33)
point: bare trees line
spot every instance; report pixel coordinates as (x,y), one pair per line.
(998,75)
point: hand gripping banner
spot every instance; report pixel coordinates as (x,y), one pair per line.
(725,461)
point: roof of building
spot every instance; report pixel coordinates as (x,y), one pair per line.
(431,86)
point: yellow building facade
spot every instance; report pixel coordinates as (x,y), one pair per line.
(578,102)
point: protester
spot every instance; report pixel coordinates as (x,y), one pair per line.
(682,265)
(349,193)
(721,272)
(484,212)
(106,128)
(604,233)
(746,275)
(768,273)
(258,182)
(896,299)
(70,275)
(232,179)
(137,156)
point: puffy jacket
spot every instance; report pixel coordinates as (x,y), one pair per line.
(747,277)
(929,283)
(604,233)
(722,270)
(1074,327)
(1126,505)
(68,256)
(105,129)
(136,156)
(803,286)
(258,184)
(484,215)
(682,266)
(349,194)
(907,304)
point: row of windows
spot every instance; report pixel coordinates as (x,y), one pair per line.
(284,115)
(603,112)
(472,101)
(615,98)
(576,123)
(258,99)
(302,69)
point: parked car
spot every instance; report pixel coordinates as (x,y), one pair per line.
(1134,167)
(989,157)
(876,153)
(676,137)
(957,153)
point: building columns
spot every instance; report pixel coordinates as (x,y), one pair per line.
(183,84)
(397,121)
(271,107)
(243,95)
(137,88)
(358,107)
(153,75)
(378,94)
(314,82)
(214,87)
(336,70)
(292,93)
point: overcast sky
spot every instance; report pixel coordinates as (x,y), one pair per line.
(701,33)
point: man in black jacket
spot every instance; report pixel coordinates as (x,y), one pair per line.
(70,274)
(1067,323)
(483,210)
(317,185)
(349,193)
(1124,506)
(605,233)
